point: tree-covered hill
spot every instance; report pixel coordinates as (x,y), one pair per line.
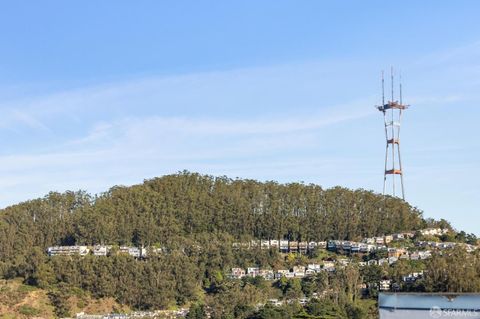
(196,218)
(162,209)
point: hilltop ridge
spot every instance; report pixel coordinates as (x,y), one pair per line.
(197,219)
(186,204)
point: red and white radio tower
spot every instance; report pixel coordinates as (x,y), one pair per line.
(392,115)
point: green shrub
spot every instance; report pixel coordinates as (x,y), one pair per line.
(28,311)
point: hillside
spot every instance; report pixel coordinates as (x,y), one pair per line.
(18,300)
(195,219)
(186,204)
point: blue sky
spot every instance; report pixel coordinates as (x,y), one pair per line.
(99,93)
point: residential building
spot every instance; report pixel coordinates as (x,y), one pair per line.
(343,261)
(281,273)
(322,244)
(275,302)
(332,245)
(267,274)
(315,267)
(284,246)
(101,250)
(346,246)
(399,236)
(303,247)
(370,240)
(355,248)
(265,244)
(293,246)
(254,243)
(384,285)
(299,271)
(382,261)
(237,273)
(68,250)
(310,272)
(433,231)
(424,254)
(303,301)
(411,278)
(130,250)
(253,271)
(396,252)
(388,239)
(414,255)
(274,243)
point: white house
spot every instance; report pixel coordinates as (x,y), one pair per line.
(315,267)
(68,250)
(433,231)
(384,285)
(238,273)
(101,250)
(253,271)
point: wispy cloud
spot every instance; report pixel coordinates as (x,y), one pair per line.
(175,138)
(129,149)
(454,55)
(310,121)
(16,117)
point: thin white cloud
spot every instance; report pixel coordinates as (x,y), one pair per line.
(11,119)
(312,121)
(455,55)
(139,144)
(136,137)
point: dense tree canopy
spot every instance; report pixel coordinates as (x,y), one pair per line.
(196,218)
(183,205)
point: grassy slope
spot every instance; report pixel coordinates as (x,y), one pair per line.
(21,301)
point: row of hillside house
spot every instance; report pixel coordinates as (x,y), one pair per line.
(385,240)
(302,301)
(68,250)
(433,231)
(379,240)
(295,272)
(386,284)
(283,246)
(381,261)
(352,247)
(395,256)
(445,245)
(436,245)
(366,245)
(402,236)
(180,313)
(100,250)
(420,255)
